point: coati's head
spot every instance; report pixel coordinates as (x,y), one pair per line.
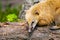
(38,14)
(32,17)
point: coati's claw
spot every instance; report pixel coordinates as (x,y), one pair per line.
(54,28)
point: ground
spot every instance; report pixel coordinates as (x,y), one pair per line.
(18,31)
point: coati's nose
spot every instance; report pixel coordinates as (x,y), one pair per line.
(32,26)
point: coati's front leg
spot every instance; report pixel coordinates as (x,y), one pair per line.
(56,23)
(53,26)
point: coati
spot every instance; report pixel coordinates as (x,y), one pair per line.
(43,13)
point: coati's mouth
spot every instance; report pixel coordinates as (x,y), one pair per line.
(32,26)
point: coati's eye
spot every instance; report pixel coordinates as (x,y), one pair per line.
(36,13)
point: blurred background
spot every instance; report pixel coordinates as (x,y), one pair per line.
(9,10)
(13,10)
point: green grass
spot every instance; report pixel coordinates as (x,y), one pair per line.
(10,14)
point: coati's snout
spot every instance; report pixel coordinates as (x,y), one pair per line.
(32,25)
(32,17)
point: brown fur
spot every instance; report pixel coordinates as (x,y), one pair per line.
(48,11)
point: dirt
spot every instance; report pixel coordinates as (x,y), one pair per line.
(19,31)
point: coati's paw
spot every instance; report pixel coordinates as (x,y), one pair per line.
(54,28)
